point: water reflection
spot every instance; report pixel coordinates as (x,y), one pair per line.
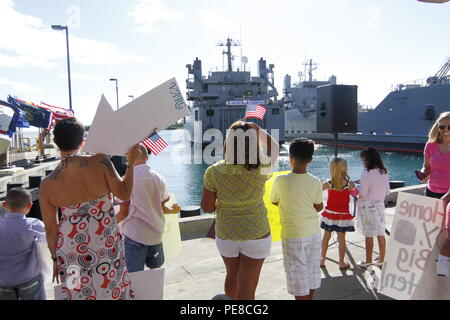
(185,178)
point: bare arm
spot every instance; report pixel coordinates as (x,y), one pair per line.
(50,217)
(426,169)
(123,213)
(174,210)
(351,185)
(209,201)
(326,186)
(120,188)
(446,199)
(318,207)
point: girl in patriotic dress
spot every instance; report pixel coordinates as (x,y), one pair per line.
(337,217)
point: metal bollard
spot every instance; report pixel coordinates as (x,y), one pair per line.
(34,181)
(10,186)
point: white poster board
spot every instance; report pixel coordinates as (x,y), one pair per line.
(409,271)
(148,284)
(114,132)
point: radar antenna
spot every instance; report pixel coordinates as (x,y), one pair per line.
(311,67)
(229,43)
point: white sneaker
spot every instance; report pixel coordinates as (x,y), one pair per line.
(443,266)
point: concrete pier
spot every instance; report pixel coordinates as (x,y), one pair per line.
(199,273)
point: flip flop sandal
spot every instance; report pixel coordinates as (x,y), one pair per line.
(364,265)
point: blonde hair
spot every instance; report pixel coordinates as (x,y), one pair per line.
(435,136)
(338,172)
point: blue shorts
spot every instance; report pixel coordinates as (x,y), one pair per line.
(138,255)
(31,290)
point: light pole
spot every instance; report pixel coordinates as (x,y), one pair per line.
(59,28)
(132,97)
(117,90)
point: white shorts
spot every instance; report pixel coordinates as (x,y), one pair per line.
(302,264)
(254,249)
(370,218)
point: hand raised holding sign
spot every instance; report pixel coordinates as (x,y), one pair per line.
(133,154)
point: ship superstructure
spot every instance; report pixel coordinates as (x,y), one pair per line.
(300,100)
(401,122)
(221,98)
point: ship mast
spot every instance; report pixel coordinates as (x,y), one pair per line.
(312,66)
(229,43)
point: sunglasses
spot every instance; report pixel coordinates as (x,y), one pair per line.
(442,128)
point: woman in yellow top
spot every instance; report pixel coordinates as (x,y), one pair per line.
(234,188)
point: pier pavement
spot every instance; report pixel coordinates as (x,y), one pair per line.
(199,273)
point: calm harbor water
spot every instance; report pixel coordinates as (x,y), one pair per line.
(185,179)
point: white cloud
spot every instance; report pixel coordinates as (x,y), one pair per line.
(219,24)
(149,14)
(34,44)
(20,86)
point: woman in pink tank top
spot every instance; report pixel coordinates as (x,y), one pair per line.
(437,171)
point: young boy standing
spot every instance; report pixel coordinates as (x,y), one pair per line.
(20,270)
(299,198)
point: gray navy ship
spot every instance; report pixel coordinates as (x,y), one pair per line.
(221,98)
(401,122)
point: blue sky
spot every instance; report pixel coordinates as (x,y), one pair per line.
(374,44)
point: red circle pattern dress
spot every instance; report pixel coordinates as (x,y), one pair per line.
(336,216)
(90,253)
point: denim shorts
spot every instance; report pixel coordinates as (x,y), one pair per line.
(138,255)
(31,290)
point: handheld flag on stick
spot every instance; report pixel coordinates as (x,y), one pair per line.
(255,111)
(155,144)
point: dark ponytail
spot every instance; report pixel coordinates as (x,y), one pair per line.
(373,160)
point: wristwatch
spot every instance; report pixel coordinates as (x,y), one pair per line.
(54,259)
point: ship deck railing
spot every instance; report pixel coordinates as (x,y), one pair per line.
(225,69)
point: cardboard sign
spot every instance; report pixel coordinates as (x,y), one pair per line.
(272,211)
(409,271)
(114,132)
(148,284)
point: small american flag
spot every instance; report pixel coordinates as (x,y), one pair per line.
(155,144)
(255,111)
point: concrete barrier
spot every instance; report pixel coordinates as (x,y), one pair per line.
(22,177)
(391,199)
(195,227)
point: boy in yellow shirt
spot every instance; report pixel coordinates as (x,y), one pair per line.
(298,196)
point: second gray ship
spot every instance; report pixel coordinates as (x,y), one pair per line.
(401,122)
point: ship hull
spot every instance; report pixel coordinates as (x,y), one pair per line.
(409,144)
(400,123)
